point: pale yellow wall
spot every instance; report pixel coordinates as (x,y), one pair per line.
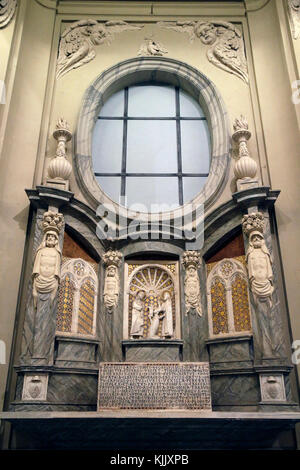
(6,35)
(18,157)
(37,100)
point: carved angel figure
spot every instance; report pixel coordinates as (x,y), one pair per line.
(225,40)
(78,41)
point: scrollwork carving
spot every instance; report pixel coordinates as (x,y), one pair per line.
(226,49)
(78,42)
(7,11)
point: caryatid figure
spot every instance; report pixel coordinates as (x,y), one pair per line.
(259,268)
(46,269)
(192,261)
(112,259)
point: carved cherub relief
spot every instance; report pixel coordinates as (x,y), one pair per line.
(226,49)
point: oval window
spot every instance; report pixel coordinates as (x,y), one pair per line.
(151,147)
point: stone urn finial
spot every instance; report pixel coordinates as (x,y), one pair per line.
(60,169)
(245,168)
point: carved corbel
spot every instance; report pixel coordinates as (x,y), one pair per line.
(191,261)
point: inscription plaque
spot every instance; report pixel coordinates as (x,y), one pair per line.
(154,386)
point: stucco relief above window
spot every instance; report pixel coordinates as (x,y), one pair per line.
(78,41)
(7,11)
(226,46)
(226,43)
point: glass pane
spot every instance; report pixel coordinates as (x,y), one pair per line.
(189,106)
(192,185)
(151,101)
(195,147)
(107,146)
(111,185)
(155,190)
(114,106)
(151,147)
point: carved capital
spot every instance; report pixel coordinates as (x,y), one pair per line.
(191,258)
(253,222)
(52,221)
(112,258)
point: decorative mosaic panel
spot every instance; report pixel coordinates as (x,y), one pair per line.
(154,386)
(77,297)
(240,304)
(210,266)
(219,307)
(154,281)
(86,307)
(65,304)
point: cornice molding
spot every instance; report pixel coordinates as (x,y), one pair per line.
(155,9)
(255,5)
(49,4)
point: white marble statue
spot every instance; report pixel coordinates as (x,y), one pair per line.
(111,287)
(163,312)
(192,290)
(46,269)
(259,268)
(155,317)
(167,322)
(137,315)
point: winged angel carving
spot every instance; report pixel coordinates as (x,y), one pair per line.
(225,40)
(78,41)
(7,11)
